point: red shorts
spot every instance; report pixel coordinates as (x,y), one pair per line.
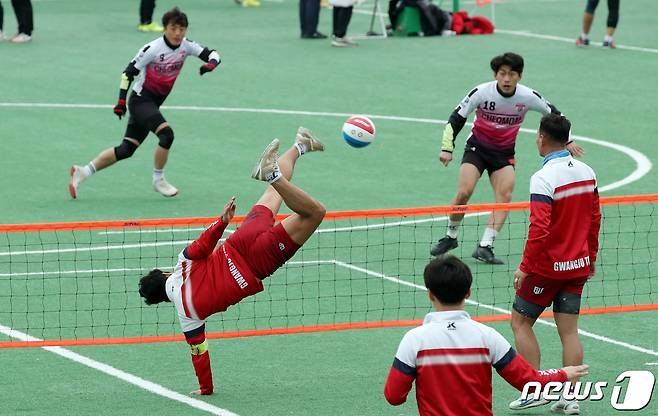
(542,291)
(264,246)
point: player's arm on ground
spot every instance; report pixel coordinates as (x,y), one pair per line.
(541,205)
(196,338)
(203,246)
(457,120)
(595,226)
(402,374)
(209,56)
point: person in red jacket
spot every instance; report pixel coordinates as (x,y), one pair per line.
(451,355)
(207,280)
(560,253)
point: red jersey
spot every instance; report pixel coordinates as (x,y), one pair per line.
(565,217)
(206,281)
(450,356)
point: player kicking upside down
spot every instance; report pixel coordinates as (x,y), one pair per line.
(208,280)
(500,107)
(163,60)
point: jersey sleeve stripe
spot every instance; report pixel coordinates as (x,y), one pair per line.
(507,358)
(453,351)
(587,189)
(453,359)
(404,368)
(541,198)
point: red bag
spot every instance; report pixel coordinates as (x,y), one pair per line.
(478,25)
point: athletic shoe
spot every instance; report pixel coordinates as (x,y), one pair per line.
(307,138)
(444,245)
(564,407)
(582,43)
(342,42)
(609,44)
(150,27)
(20,38)
(165,188)
(267,168)
(76,177)
(528,403)
(314,35)
(250,3)
(486,254)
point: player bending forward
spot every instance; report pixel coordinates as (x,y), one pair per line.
(163,60)
(208,280)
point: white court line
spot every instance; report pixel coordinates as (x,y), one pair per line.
(643,164)
(122,375)
(501,310)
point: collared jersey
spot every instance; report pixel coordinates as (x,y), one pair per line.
(206,281)
(163,64)
(565,217)
(450,358)
(499,118)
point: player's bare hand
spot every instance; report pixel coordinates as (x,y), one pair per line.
(575,150)
(445,157)
(518,278)
(576,371)
(229,210)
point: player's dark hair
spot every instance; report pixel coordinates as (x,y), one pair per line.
(152,287)
(448,279)
(510,59)
(555,127)
(175,17)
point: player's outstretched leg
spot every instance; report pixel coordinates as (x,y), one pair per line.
(305,142)
(308,212)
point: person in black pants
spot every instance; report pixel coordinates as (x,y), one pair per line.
(342,16)
(146,23)
(23,12)
(588,18)
(309,14)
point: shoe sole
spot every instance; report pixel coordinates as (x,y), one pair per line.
(72,190)
(483,260)
(534,404)
(166,196)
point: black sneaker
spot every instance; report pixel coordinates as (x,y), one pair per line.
(314,35)
(444,245)
(486,255)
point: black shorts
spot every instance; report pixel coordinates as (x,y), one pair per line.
(145,115)
(486,158)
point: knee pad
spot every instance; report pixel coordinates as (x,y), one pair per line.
(125,149)
(166,136)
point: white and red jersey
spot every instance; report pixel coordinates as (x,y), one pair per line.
(450,356)
(206,281)
(499,118)
(565,217)
(163,64)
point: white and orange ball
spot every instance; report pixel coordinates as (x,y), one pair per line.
(359,131)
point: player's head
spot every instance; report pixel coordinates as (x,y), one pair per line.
(175,26)
(152,287)
(553,133)
(508,70)
(448,280)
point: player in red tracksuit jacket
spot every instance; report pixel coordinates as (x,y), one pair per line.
(207,280)
(560,253)
(450,356)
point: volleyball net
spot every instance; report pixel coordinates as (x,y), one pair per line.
(76,283)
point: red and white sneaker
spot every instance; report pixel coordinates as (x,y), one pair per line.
(609,44)
(582,43)
(76,177)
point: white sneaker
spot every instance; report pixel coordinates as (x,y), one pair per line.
(564,407)
(342,42)
(306,138)
(76,177)
(20,38)
(165,188)
(522,404)
(267,168)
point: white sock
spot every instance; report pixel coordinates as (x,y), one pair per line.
(453,228)
(301,148)
(488,237)
(274,176)
(89,169)
(158,174)
(607,38)
(584,36)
